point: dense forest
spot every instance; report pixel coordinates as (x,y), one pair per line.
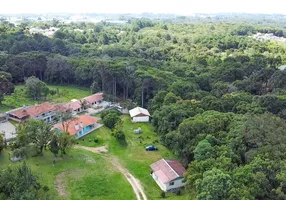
(217,95)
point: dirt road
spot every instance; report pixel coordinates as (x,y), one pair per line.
(135,183)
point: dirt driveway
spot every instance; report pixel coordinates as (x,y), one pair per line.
(135,183)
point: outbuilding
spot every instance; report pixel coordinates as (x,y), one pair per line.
(168,174)
(139,114)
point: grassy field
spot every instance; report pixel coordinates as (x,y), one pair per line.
(133,155)
(88,176)
(19,98)
(83,174)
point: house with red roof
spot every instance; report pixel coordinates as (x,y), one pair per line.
(75,106)
(168,174)
(94,99)
(44,111)
(79,127)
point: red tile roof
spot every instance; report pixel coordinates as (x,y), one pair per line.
(61,107)
(85,119)
(93,98)
(20,113)
(74,105)
(40,109)
(33,111)
(177,167)
(168,170)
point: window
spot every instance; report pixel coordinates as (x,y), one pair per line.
(172,183)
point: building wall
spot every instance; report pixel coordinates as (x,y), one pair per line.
(86,130)
(166,186)
(177,184)
(48,116)
(141,119)
(159,183)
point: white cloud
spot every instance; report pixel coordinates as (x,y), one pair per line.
(139,6)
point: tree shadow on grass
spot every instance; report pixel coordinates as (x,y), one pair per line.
(122,142)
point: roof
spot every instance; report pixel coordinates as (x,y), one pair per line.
(40,109)
(20,113)
(93,98)
(137,111)
(61,107)
(168,170)
(33,111)
(85,119)
(74,105)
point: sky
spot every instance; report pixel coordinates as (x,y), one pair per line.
(184,7)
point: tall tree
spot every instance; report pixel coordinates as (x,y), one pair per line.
(37,132)
(36,88)
(65,118)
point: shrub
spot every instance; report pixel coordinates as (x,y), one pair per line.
(2,144)
(53,92)
(163,194)
(105,113)
(110,120)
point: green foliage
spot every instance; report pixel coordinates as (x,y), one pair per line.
(34,132)
(20,183)
(117,132)
(203,150)
(207,82)
(170,98)
(61,142)
(215,185)
(36,89)
(2,145)
(111,119)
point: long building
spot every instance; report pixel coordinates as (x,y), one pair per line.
(44,111)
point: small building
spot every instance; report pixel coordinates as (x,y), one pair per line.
(94,99)
(139,114)
(168,174)
(60,107)
(75,106)
(79,127)
(44,111)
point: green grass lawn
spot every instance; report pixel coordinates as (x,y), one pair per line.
(89,176)
(137,160)
(102,134)
(85,175)
(4,108)
(133,155)
(19,98)
(69,93)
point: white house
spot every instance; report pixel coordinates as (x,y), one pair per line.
(168,174)
(139,114)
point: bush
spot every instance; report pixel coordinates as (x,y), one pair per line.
(110,120)
(105,113)
(163,194)
(53,92)
(95,140)
(2,144)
